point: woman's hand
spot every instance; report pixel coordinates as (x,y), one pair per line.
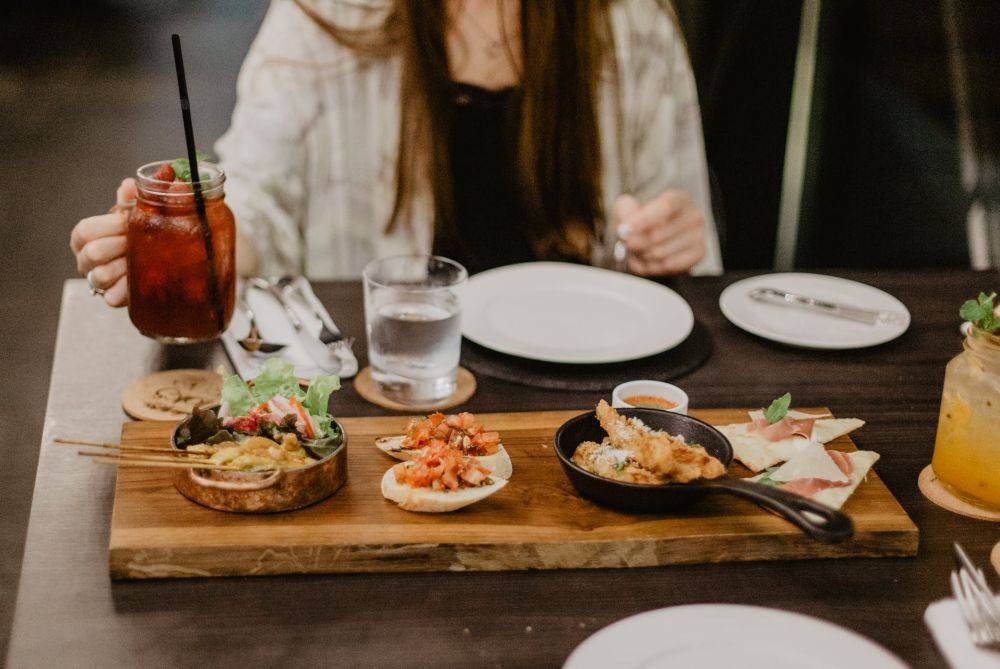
(99,244)
(664,236)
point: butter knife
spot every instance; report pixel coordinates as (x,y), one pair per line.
(858,314)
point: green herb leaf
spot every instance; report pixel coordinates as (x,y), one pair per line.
(766,478)
(980,312)
(182,167)
(778,409)
(619,465)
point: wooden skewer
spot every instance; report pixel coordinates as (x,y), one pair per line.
(143,456)
(172,453)
(106,444)
(168,463)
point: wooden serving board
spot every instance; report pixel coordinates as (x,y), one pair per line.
(536,522)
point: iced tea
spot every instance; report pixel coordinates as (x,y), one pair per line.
(175,294)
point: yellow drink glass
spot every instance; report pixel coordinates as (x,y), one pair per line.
(967,449)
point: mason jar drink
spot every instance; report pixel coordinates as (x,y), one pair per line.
(412,317)
(181,275)
(967,449)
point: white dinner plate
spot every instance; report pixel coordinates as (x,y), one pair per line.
(560,312)
(808,329)
(722,636)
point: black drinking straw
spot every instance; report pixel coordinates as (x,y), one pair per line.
(199,201)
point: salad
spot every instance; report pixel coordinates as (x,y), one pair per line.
(273,407)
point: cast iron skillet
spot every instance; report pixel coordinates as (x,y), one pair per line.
(817,520)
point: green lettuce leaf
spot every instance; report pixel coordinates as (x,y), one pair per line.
(236,396)
(317,397)
(277,377)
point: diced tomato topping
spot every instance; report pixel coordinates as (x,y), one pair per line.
(457,431)
(441,468)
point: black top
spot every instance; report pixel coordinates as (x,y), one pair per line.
(489,218)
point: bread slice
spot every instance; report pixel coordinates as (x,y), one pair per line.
(498,463)
(435,501)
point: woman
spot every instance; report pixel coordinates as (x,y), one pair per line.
(491,131)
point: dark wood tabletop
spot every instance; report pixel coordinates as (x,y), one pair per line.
(69,613)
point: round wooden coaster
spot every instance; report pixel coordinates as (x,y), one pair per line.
(935,491)
(171,395)
(368,389)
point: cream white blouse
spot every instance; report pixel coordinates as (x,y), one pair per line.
(310,155)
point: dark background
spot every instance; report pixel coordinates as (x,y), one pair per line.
(87,94)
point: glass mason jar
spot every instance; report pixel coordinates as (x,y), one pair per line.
(967,449)
(175,294)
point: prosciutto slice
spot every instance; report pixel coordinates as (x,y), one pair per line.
(795,423)
(808,487)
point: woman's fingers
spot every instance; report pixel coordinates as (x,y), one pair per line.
(679,234)
(95,227)
(100,252)
(107,275)
(117,294)
(625,207)
(682,261)
(127,192)
(645,226)
(664,236)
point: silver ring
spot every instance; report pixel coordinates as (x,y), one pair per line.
(94,290)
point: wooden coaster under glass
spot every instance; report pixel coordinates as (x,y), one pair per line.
(465,387)
(938,492)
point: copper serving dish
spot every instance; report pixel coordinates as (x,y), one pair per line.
(264,492)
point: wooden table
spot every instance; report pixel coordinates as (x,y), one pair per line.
(70,614)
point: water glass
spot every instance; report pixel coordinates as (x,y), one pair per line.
(413,320)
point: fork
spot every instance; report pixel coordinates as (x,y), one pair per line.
(976,602)
(334,340)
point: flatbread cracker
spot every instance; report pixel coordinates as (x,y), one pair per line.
(835,497)
(757,453)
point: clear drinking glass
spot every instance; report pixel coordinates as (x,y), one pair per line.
(412,316)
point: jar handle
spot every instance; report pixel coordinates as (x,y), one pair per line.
(261,484)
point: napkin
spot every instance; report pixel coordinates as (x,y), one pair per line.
(273,325)
(951,634)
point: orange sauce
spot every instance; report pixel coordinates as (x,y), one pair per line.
(650,402)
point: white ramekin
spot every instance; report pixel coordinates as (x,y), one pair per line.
(667,391)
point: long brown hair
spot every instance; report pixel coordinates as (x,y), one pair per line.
(558,150)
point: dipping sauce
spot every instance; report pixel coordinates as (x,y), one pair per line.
(650,402)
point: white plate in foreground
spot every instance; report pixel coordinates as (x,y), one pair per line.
(808,329)
(560,312)
(722,636)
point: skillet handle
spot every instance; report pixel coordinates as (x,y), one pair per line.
(817,520)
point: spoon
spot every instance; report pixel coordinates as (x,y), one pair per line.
(253,343)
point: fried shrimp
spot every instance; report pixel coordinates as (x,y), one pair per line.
(658,452)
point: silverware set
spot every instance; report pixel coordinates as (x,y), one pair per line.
(976,601)
(807,303)
(329,348)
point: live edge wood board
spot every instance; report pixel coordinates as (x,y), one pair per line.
(537,522)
